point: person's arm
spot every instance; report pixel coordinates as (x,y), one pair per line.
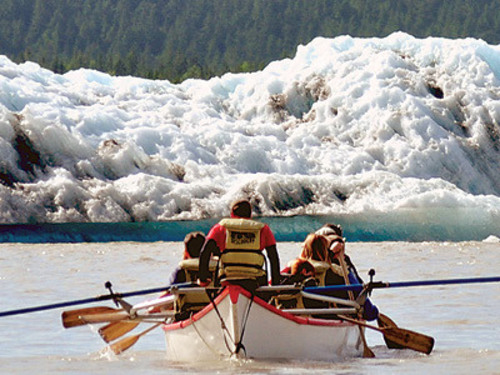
(352,268)
(209,248)
(274,260)
(177,277)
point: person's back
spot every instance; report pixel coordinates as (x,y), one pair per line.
(188,271)
(239,242)
(188,268)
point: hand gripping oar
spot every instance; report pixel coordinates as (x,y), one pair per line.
(105,297)
(127,342)
(404,338)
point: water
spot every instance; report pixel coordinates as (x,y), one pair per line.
(462,318)
(410,225)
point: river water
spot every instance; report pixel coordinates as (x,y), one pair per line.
(462,318)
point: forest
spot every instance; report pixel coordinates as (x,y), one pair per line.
(179,39)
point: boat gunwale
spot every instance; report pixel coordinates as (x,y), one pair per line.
(233,291)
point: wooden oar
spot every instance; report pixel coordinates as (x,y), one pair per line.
(127,342)
(367,352)
(72,318)
(105,317)
(400,284)
(385,322)
(105,297)
(404,338)
(112,331)
(115,330)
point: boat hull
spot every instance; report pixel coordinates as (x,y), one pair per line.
(237,326)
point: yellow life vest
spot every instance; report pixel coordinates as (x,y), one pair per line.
(242,257)
(191,268)
(288,301)
(193,302)
(320,269)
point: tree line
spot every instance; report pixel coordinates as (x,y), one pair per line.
(179,39)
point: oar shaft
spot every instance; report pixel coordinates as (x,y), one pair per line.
(104,297)
(53,306)
(401,284)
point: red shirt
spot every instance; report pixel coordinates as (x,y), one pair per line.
(218,234)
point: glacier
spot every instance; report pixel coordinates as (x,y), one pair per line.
(394,131)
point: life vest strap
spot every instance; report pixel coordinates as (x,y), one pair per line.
(242,265)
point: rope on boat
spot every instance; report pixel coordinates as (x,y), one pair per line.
(240,345)
(222,323)
(237,345)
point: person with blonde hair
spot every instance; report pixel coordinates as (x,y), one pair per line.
(336,253)
(315,251)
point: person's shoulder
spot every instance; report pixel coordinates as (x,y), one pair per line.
(266,232)
(215,229)
(267,228)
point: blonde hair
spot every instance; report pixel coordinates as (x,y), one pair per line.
(315,248)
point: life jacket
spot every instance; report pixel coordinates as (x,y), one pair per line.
(292,300)
(288,301)
(193,302)
(242,258)
(320,269)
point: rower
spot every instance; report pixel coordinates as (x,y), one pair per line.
(239,242)
(315,253)
(337,256)
(187,271)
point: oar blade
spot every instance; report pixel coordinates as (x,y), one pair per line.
(384,321)
(367,352)
(399,338)
(72,318)
(122,345)
(112,331)
(404,338)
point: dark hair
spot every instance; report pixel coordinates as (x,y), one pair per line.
(242,208)
(193,244)
(336,228)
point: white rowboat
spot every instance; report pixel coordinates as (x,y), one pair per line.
(235,325)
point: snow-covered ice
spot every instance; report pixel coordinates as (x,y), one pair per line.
(394,126)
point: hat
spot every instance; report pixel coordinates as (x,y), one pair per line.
(333,239)
(241,208)
(330,229)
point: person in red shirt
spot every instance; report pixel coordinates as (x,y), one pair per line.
(239,242)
